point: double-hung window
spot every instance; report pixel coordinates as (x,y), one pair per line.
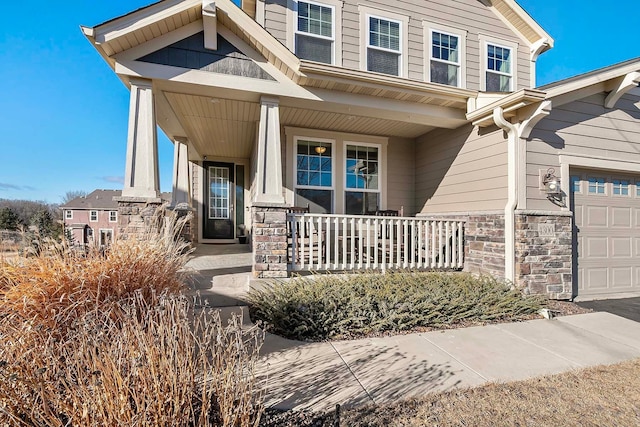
(499,76)
(445,58)
(113,216)
(314,174)
(314,35)
(68,214)
(362,185)
(93,216)
(384,46)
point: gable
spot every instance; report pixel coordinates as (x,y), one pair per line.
(191,53)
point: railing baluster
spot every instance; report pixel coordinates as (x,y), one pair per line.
(376,230)
(447,254)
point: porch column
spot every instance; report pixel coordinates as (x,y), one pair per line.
(269,160)
(141,178)
(181,193)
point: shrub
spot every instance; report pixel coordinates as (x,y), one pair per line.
(339,306)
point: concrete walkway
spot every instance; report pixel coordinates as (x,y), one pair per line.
(377,370)
(317,376)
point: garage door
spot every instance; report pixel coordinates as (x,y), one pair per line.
(607,232)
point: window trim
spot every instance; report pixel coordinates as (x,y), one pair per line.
(429,29)
(91,213)
(346,189)
(293,134)
(116,216)
(68,214)
(292,27)
(365,13)
(485,41)
(596,177)
(621,186)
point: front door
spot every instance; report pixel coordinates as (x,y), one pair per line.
(219,201)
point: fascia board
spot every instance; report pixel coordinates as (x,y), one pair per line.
(509,104)
(575,85)
(522,14)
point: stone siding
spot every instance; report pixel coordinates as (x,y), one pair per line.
(484,244)
(544,254)
(136,215)
(269,240)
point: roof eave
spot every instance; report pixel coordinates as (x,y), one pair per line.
(510,104)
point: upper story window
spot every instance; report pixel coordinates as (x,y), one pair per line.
(499,69)
(445,59)
(113,216)
(68,214)
(384,46)
(93,216)
(314,35)
(499,65)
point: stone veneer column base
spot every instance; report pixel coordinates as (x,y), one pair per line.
(269,240)
(136,215)
(544,263)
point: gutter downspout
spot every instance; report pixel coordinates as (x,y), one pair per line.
(512,192)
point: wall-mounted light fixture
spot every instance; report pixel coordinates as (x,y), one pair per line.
(551,183)
(320,149)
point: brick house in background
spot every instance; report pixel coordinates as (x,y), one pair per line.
(92,219)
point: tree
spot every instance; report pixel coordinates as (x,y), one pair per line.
(43,221)
(73,194)
(9,220)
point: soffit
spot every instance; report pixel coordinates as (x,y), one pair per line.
(521,21)
(227,128)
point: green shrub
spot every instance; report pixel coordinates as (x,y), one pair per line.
(340,306)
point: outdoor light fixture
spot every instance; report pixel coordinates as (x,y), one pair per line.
(551,183)
(320,149)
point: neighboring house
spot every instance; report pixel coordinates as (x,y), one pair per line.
(428,109)
(92,220)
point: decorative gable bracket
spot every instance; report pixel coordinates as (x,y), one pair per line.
(210,23)
(622,85)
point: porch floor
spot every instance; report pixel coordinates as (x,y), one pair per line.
(221,273)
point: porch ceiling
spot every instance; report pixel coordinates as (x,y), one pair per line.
(227,127)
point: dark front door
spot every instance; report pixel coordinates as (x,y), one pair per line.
(219,197)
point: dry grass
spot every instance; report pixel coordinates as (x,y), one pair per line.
(599,396)
(106,339)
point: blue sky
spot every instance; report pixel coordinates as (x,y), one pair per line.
(63,112)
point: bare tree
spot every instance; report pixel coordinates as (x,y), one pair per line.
(70,195)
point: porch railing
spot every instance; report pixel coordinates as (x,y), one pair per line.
(355,242)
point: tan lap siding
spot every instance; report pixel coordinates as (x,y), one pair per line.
(400,175)
(461,170)
(585,128)
(275,19)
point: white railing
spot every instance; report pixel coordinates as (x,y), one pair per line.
(355,242)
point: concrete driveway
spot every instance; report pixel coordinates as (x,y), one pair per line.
(624,307)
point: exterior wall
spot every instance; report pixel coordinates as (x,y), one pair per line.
(584,128)
(461,170)
(543,259)
(81,216)
(401,175)
(469,16)
(269,241)
(136,215)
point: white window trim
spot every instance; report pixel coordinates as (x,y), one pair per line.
(97,215)
(100,235)
(604,185)
(621,180)
(116,219)
(68,214)
(381,163)
(293,134)
(292,26)
(429,28)
(484,42)
(365,13)
(296,186)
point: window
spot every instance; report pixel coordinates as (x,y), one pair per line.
(499,69)
(445,59)
(113,216)
(575,184)
(93,216)
(596,185)
(314,175)
(384,46)
(620,187)
(68,214)
(362,189)
(314,35)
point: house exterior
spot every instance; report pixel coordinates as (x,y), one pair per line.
(355,108)
(92,220)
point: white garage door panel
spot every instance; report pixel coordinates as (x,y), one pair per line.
(608,233)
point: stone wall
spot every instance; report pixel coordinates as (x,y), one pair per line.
(544,254)
(484,244)
(269,240)
(136,215)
